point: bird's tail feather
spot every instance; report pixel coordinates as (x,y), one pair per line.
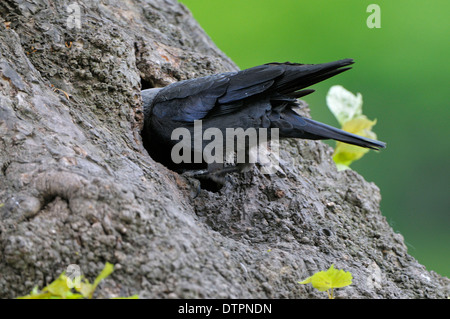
(316,130)
(295,79)
(300,127)
(299,76)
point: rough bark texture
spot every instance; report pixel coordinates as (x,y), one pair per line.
(77,187)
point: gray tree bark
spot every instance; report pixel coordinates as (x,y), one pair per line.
(77,187)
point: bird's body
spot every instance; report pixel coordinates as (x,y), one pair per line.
(264,96)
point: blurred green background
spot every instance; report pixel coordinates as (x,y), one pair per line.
(402,70)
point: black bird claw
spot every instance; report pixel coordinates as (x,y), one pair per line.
(195,173)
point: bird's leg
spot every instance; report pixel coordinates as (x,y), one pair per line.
(216,172)
(195,173)
(219,169)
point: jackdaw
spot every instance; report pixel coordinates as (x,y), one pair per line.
(264,96)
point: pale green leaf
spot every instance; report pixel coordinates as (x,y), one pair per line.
(344,104)
(58,288)
(72,295)
(40,295)
(332,278)
(107,270)
(61,287)
(344,154)
(85,288)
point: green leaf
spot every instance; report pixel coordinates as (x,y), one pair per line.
(61,287)
(58,288)
(40,295)
(107,270)
(72,295)
(344,154)
(344,104)
(86,289)
(347,108)
(332,278)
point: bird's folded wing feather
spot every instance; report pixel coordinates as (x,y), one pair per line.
(219,94)
(215,95)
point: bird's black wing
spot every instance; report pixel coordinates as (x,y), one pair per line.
(220,94)
(190,100)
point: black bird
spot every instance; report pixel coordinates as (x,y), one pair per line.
(264,96)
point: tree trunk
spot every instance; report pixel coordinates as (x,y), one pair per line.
(77,186)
